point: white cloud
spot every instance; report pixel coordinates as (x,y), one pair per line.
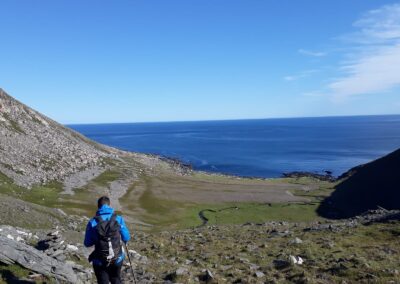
(380,25)
(290,78)
(368,74)
(315,94)
(312,53)
(302,74)
(375,67)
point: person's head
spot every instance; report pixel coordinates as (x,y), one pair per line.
(104,200)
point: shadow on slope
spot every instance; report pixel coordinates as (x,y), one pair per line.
(365,187)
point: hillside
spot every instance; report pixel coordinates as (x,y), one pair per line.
(189,226)
(64,169)
(35,149)
(366,187)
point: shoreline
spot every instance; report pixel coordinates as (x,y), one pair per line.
(188,167)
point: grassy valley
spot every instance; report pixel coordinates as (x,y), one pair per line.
(188,226)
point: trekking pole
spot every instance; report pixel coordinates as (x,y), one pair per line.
(130,262)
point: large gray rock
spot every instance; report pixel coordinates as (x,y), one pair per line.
(15,252)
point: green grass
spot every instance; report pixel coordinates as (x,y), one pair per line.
(13,274)
(82,202)
(362,249)
(48,195)
(105,178)
(7,186)
(9,273)
(164,212)
(153,205)
(14,125)
(168,214)
(34,119)
(251,212)
(109,161)
(160,212)
(9,167)
(4,179)
(219,178)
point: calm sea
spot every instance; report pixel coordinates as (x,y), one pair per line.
(262,148)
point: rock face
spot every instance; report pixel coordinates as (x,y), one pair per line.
(34,149)
(53,256)
(17,252)
(366,187)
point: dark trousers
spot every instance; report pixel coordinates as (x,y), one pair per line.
(107,274)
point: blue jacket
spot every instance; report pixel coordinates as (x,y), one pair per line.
(91,235)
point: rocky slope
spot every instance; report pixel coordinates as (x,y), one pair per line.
(366,187)
(360,250)
(364,249)
(34,149)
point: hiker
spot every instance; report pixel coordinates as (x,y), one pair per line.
(105,231)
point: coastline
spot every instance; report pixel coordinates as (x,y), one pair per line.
(257,149)
(190,168)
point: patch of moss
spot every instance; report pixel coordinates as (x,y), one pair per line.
(11,273)
(83,202)
(48,164)
(14,125)
(7,166)
(4,178)
(34,119)
(105,178)
(15,273)
(160,212)
(46,195)
(109,161)
(49,195)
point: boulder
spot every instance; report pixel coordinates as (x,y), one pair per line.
(296,241)
(26,256)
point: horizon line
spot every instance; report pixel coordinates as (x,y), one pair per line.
(229,119)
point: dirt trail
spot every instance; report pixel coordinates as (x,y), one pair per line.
(82,178)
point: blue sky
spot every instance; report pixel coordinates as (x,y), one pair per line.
(132,61)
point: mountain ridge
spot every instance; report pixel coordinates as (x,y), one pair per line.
(36,149)
(365,187)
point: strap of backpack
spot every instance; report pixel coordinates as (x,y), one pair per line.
(113,218)
(98,219)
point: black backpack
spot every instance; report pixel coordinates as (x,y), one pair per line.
(108,246)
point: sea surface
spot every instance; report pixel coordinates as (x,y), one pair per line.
(259,148)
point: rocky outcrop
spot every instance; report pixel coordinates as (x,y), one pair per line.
(271,252)
(365,187)
(51,256)
(34,149)
(17,252)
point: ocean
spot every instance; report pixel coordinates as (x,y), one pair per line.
(259,148)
